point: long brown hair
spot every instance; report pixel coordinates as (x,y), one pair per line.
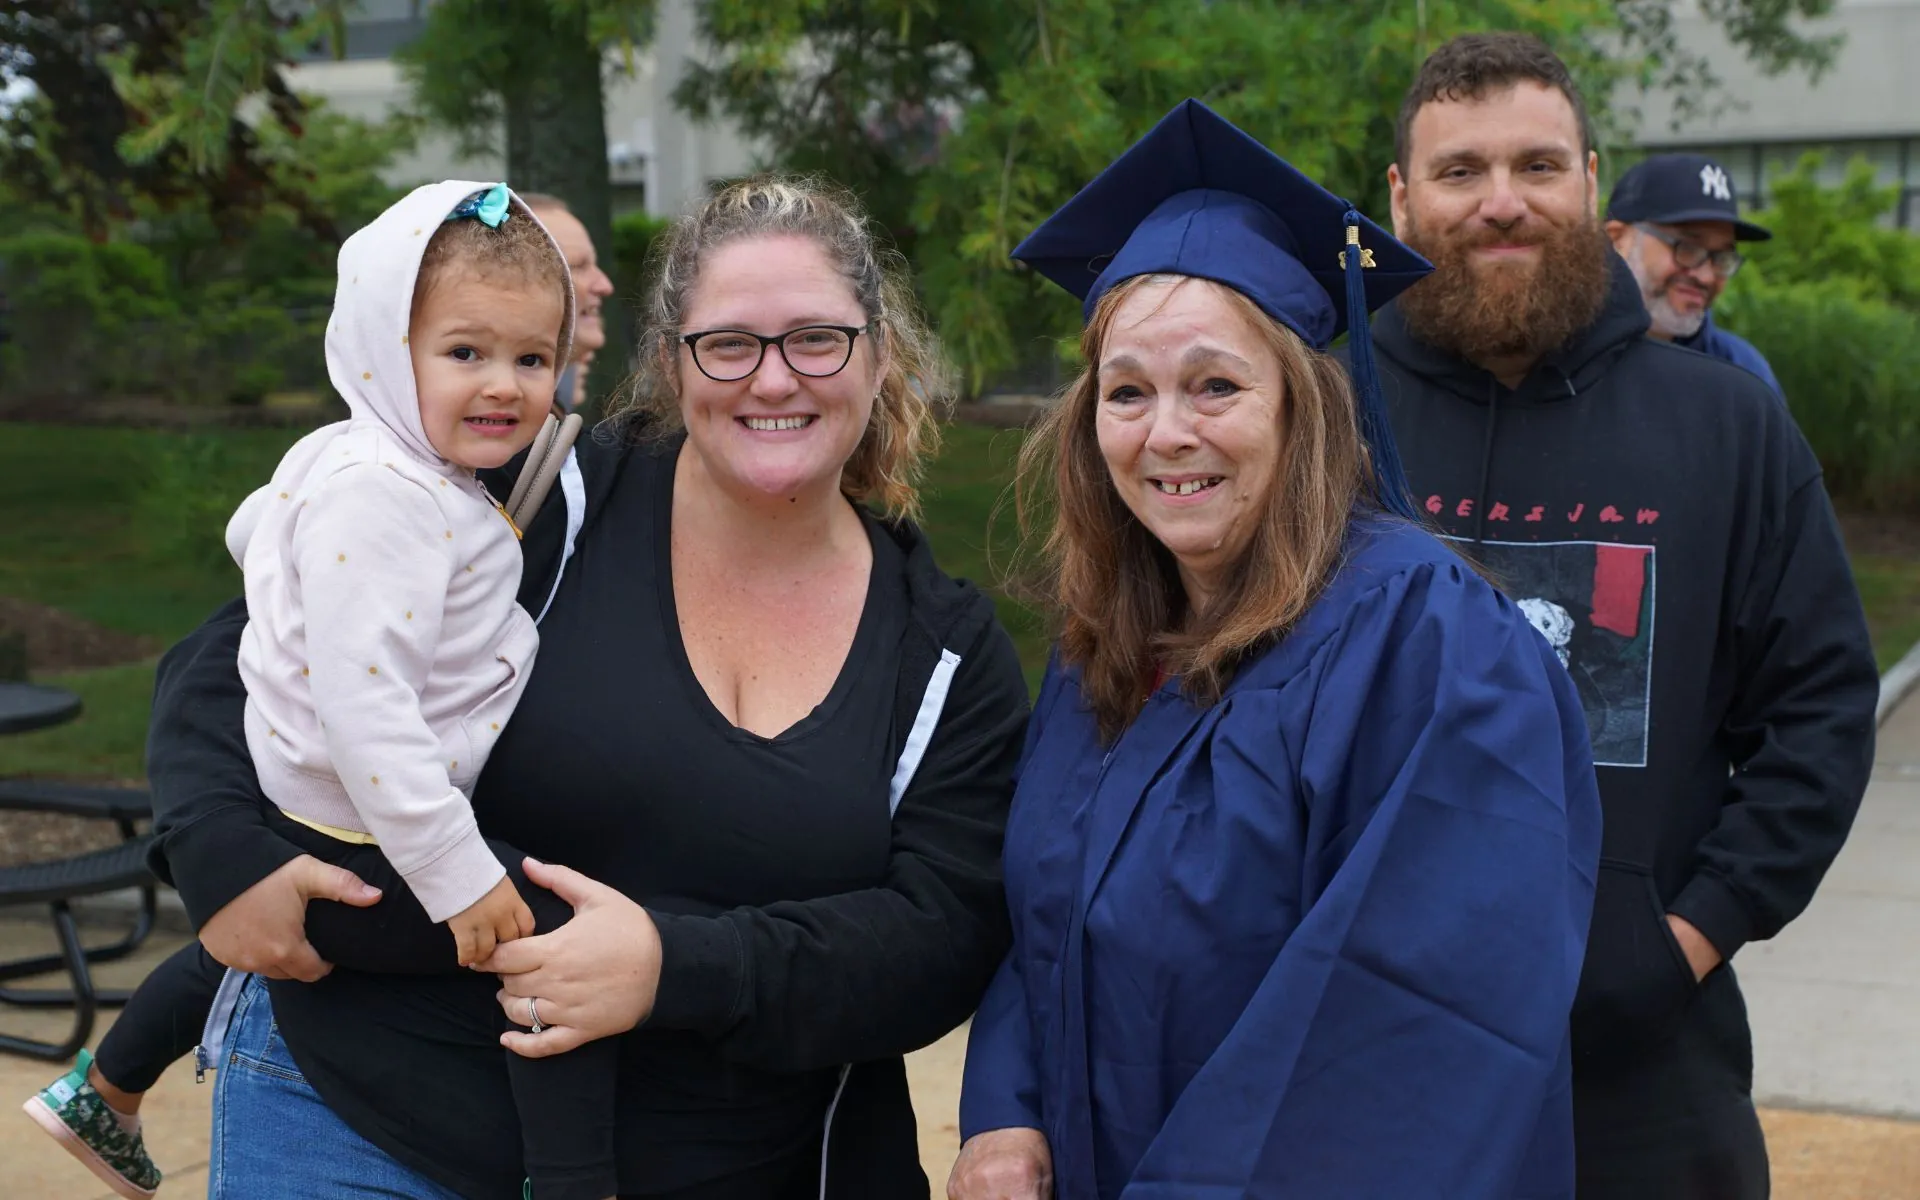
(1121,608)
(903,431)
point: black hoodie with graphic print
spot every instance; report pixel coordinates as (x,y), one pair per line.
(1663,523)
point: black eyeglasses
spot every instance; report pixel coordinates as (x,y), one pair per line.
(1689,254)
(816,351)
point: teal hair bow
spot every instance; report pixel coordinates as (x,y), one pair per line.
(488,207)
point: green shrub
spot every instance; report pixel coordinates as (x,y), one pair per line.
(108,319)
(633,236)
(242,350)
(1850,368)
(65,312)
(132,278)
(1835,236)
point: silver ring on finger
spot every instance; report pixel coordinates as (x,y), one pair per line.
(533,1015)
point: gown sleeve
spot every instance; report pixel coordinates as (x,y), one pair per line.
(1001,1086)
(1412,1030)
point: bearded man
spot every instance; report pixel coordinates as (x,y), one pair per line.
(1666,503)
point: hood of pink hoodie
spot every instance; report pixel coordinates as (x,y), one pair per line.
(367,355)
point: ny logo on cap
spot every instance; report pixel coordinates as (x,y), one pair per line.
(1713,182)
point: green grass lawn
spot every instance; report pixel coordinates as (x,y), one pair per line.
(1890,590)
(106,742)
(123,527)
(974,536)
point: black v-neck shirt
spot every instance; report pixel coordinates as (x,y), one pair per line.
(671,804)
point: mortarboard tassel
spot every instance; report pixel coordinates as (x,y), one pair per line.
(1390,477)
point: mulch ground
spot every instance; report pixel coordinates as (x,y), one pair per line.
(58,641)
(1831,1156)
(1893,535)
(42,837)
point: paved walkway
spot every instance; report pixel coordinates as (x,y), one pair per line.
(1835,999)
(1835,1002)
(32,1167)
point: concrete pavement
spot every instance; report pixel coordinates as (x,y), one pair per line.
(176,1113)
(1835,999)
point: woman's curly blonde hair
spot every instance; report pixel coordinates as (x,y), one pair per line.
(903,432)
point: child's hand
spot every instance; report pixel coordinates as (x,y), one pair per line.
(499,916)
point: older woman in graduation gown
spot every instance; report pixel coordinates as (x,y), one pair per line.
(1303,850)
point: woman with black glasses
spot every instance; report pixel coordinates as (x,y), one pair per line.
(770,740)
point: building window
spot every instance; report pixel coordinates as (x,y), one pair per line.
(1753,166)
(370,37)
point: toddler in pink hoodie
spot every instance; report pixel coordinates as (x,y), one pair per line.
(384,654)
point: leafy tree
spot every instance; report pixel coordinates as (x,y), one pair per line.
(963,125)
(212,199)
(139,102)
(527,78)
(1027,101)
(335,165)
(186,105)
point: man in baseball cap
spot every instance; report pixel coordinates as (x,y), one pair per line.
(1676,220)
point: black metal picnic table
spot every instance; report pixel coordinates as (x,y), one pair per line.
(24,708)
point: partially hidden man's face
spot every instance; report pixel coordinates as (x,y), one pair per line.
(1677,297)
(1500,194)
(591,287)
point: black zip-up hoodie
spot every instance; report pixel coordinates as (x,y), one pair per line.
(853,980)
(1661,520)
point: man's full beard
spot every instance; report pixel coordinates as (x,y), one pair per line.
(1484,312)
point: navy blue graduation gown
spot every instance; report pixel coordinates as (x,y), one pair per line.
(1319,940)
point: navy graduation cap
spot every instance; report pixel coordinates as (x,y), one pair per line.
(1197,196)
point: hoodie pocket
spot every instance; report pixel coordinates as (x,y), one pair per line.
(483,723)
(515,648)
(1635,987)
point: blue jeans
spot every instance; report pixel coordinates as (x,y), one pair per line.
(274,1138)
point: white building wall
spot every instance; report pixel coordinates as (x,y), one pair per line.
(1866,106)
(1872,91)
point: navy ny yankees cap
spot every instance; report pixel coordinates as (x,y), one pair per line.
(1672,189)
